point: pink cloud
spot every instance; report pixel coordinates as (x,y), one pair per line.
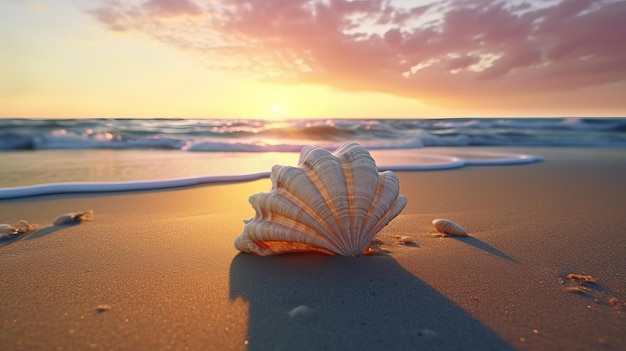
(445,52)
(171,8)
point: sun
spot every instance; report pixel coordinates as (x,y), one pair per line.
(277,108)
(276,111)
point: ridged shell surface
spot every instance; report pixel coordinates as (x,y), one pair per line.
(447,226)
(333,203)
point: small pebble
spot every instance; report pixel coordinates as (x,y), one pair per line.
(428,334)
(102,308)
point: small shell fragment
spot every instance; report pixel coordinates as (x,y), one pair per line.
(446,226)
(7,230)
(581,279)
(72,217)
(22,227)
(370,252)
(302,313)
(406,240)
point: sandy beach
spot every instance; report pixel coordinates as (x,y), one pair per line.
(157,270)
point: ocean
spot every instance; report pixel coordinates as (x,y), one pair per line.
(46,156)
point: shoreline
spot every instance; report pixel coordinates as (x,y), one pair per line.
(106,170)
(157,269)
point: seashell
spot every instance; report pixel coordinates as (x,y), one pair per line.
(72,217)
(446,226)
(406,240)
(7,230)
(333,203)
(22,227)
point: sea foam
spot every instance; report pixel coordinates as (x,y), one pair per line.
(393,160)
(289,136)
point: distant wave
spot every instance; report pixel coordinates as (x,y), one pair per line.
(290,136)
(401,162)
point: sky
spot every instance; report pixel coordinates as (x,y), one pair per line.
(276,59)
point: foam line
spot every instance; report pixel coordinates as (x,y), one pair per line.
(105,187)
(447,162)
(498,158)
(444,162)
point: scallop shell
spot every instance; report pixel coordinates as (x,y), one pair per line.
(446,226)
(333,203)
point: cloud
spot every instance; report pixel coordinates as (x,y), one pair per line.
(446,52)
